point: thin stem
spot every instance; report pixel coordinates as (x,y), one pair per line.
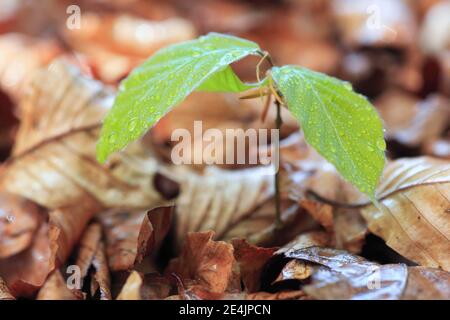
(278,122)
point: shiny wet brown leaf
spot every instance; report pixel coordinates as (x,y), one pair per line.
(251,260)
(204,262)
(335,274)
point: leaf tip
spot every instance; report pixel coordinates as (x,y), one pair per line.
(101,151)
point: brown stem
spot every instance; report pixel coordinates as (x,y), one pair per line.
(278,122)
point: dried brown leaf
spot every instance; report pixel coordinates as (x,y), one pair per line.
(54,165)
(414,216)
(220,200)
(204,262)
(4,291)
(87,248)
(337,274)
(19,222)
(427,284)
(130,236)
(145,287)
(27,271)
(251,260)
(55,147)
(55,288)
(101,280)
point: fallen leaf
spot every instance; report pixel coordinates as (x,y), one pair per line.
(130,236)
(53,164)
(55,147)
(101,280)
(204,262)
(26,272)
(55,288)
(322,213)
(251,260)
(19,222)
(350,230)
(413,217)
(145,287)
(4,291)
(427,284)
(87,248)
(306,240)
(219,199)
(337,274)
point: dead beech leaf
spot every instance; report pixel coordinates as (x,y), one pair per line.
(87,248)
(427,284)
(350,230)
(362,277)
(131,288)
(54,165)
(251,260)
(130,236)
(55,147)
(336,274)
(55,288)
(204,263)
(101,280)
(295,269)
(26,272)
(4,291)
(219,199)
(415,202)
(19,222)
(50,248)
(306,240)
(322,213)
(144,287)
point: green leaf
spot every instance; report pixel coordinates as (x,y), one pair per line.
(339,123)
(165,80)
(226,81)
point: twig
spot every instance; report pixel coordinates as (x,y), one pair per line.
(278,122)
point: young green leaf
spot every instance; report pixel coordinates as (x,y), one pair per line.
(226,81)
(339,123)
(167,78)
